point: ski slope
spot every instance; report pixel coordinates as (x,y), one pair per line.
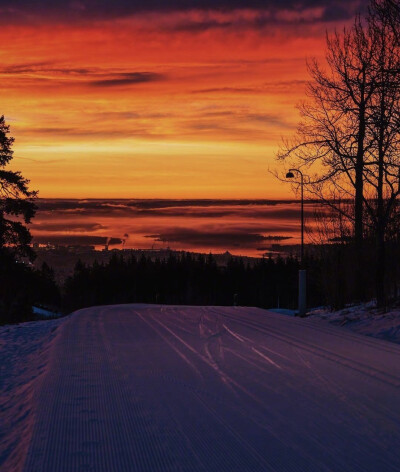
(157,388)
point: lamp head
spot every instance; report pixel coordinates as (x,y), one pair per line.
(290,175)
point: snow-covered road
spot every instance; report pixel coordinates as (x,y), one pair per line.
(156,388)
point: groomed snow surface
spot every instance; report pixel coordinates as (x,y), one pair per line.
(157,388)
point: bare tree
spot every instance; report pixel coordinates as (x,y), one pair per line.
(382,172)
(331,143)
(388,10)
(349,137)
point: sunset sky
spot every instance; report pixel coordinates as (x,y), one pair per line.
(152,99)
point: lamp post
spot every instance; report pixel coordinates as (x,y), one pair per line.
(302,271)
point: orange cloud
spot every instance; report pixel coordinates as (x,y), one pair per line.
(142,106)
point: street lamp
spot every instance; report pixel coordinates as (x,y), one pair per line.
(302,271)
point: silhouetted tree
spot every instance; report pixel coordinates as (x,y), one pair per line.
(16,201)
(332,139)
(19,283)
(349,140)
(389,11)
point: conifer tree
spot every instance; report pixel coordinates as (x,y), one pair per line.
(17,206)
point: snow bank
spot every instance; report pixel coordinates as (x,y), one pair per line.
(24,353)
(364,319)
(44,313)
(283,311)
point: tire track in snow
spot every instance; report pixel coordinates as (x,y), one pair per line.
(239,387)
(318,350)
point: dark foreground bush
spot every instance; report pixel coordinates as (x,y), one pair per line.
(22,287)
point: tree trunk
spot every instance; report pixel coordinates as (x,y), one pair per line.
(380,269)
(359,207)
(380,224)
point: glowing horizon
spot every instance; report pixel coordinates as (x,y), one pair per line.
(177,103)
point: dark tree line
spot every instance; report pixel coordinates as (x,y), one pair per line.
(197,280)
(186,279)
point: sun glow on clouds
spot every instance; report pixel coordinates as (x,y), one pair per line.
(157,104)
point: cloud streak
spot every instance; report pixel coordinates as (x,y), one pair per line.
(292,10)
(79,227)
(128,78)
(217,239)
(76,240)
(195,208)
(93,77)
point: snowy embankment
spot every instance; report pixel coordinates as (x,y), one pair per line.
(168,388)
(43,313)
(24,356)
(364,319)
